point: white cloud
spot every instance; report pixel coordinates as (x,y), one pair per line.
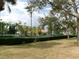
(20,14)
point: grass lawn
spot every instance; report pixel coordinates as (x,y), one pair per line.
(55,49)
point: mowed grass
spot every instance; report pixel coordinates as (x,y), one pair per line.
(54,49)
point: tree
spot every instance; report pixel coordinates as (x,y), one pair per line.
(68,24)
(12,29)
(54,26)
(30,10)
(23,29)
(69,7)
(45,22)
(2,27)
(32,7)
(2,3)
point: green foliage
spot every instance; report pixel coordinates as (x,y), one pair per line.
(54,26)
(3,27)
(23,29)
(37,4)
(12,29)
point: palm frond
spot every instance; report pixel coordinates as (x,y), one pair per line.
(11,1)
(9,9)
(2,3)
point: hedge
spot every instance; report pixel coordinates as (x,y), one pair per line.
(20,40)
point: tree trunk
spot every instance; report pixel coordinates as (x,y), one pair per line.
(50,28)
(78,31)
(68,33)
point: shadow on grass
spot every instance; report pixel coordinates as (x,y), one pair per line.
(41,45)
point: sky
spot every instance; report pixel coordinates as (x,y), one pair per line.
(18,13)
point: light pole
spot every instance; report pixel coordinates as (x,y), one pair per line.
(31,21)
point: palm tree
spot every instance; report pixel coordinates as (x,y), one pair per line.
(30,9)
